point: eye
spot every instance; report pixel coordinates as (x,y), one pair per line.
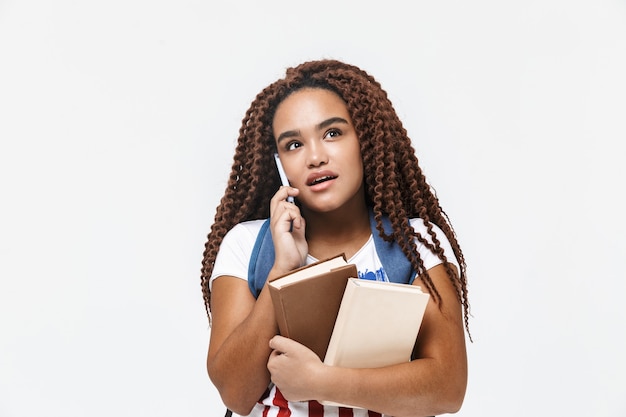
(293,145)
(332,133)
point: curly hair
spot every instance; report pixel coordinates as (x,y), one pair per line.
(395,185)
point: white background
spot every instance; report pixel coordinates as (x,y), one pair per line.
(118,121)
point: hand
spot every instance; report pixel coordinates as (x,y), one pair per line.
(294,369)
(288,227)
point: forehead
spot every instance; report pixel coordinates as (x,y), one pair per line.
(309,105)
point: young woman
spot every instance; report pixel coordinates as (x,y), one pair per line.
(347,157)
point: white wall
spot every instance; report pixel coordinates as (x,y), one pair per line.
(118,121)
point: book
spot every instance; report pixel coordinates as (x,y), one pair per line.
(306,301)
(377,325)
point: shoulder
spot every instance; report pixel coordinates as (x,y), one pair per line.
(430,259)
(242,236)
(418,225)
(245,230)
(235,250)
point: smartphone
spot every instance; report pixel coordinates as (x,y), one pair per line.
(283,176)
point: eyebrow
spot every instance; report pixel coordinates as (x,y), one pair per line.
(320,126)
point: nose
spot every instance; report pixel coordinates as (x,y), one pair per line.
(316,154)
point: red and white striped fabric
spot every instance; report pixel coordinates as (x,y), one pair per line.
(275,405)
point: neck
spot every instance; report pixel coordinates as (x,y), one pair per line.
(343,231)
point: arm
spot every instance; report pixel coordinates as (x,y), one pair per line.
(238,349)
(433,384)
(242,326)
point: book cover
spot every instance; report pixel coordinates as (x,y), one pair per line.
(377,325)
(307,300)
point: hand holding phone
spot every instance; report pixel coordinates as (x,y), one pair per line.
(283,176)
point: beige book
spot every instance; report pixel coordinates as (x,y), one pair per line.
(377,325)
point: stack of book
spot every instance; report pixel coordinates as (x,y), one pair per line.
(346,321)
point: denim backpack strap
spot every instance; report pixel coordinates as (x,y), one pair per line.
(396,265)
(261,259)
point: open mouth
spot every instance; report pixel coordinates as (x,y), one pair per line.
(321,179)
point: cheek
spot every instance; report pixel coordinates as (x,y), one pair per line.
(356,164)
(357,158)
(359,168)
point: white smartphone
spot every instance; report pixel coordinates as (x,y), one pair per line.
(283,176)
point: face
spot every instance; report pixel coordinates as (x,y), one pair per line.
(319,150)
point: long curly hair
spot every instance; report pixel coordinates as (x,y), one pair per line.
(395,185)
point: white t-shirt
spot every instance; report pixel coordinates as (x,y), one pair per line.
(233,259)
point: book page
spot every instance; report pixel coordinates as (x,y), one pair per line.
(309,271)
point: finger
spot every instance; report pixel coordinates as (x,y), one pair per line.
(285,213)
(285,193)
(279,343)
(278,203)
(273,356)
(281,194)
(299,222)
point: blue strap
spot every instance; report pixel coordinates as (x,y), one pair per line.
(397,267)
(261,259)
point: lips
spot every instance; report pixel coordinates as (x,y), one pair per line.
(320,177)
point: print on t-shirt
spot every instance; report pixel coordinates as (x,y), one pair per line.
(378,275)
